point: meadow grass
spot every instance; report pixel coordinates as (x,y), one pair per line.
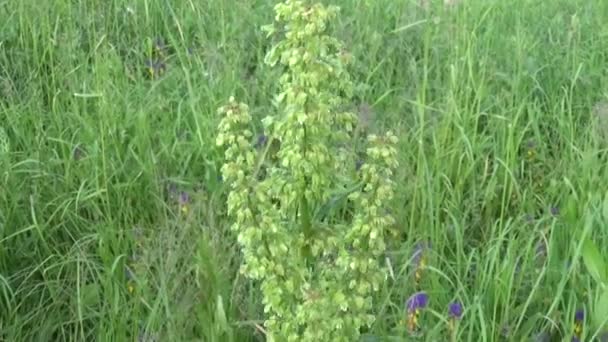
(112,212)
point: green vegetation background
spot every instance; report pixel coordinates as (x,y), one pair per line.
(112,220)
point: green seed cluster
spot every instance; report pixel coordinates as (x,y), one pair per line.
(317,273)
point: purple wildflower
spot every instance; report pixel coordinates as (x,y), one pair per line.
(184,200)
(579,315)
(358,164)
(414,305)
(454,314)
(417,301)
(159,45)
(575,339)
(78,152)
(531,149)
(530,144)
(455,310)
(579,318)
(155,67)
(261,142)
(554,211)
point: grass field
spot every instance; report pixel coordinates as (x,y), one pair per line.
(112,213)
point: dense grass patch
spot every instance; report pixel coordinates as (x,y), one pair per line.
(112,212)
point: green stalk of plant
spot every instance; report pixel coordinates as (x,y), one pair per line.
(318,271)
(598,268)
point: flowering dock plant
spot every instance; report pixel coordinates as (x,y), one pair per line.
(317,271)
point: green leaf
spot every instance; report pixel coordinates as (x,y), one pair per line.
(571,211)
(220,314)
(88,297)
(594,262)
(600,312)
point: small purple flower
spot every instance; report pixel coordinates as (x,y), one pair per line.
(579,318)
(184,198)
(358,164)
(262,141)
(155,67)
(417,301)
(530,149)
(78,152)
(579,315)
(531,144)
(455,310)
(159,44)
(554,211)
(414,305)
(604,336)
(575,339)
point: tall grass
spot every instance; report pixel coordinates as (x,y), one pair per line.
(108,114)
